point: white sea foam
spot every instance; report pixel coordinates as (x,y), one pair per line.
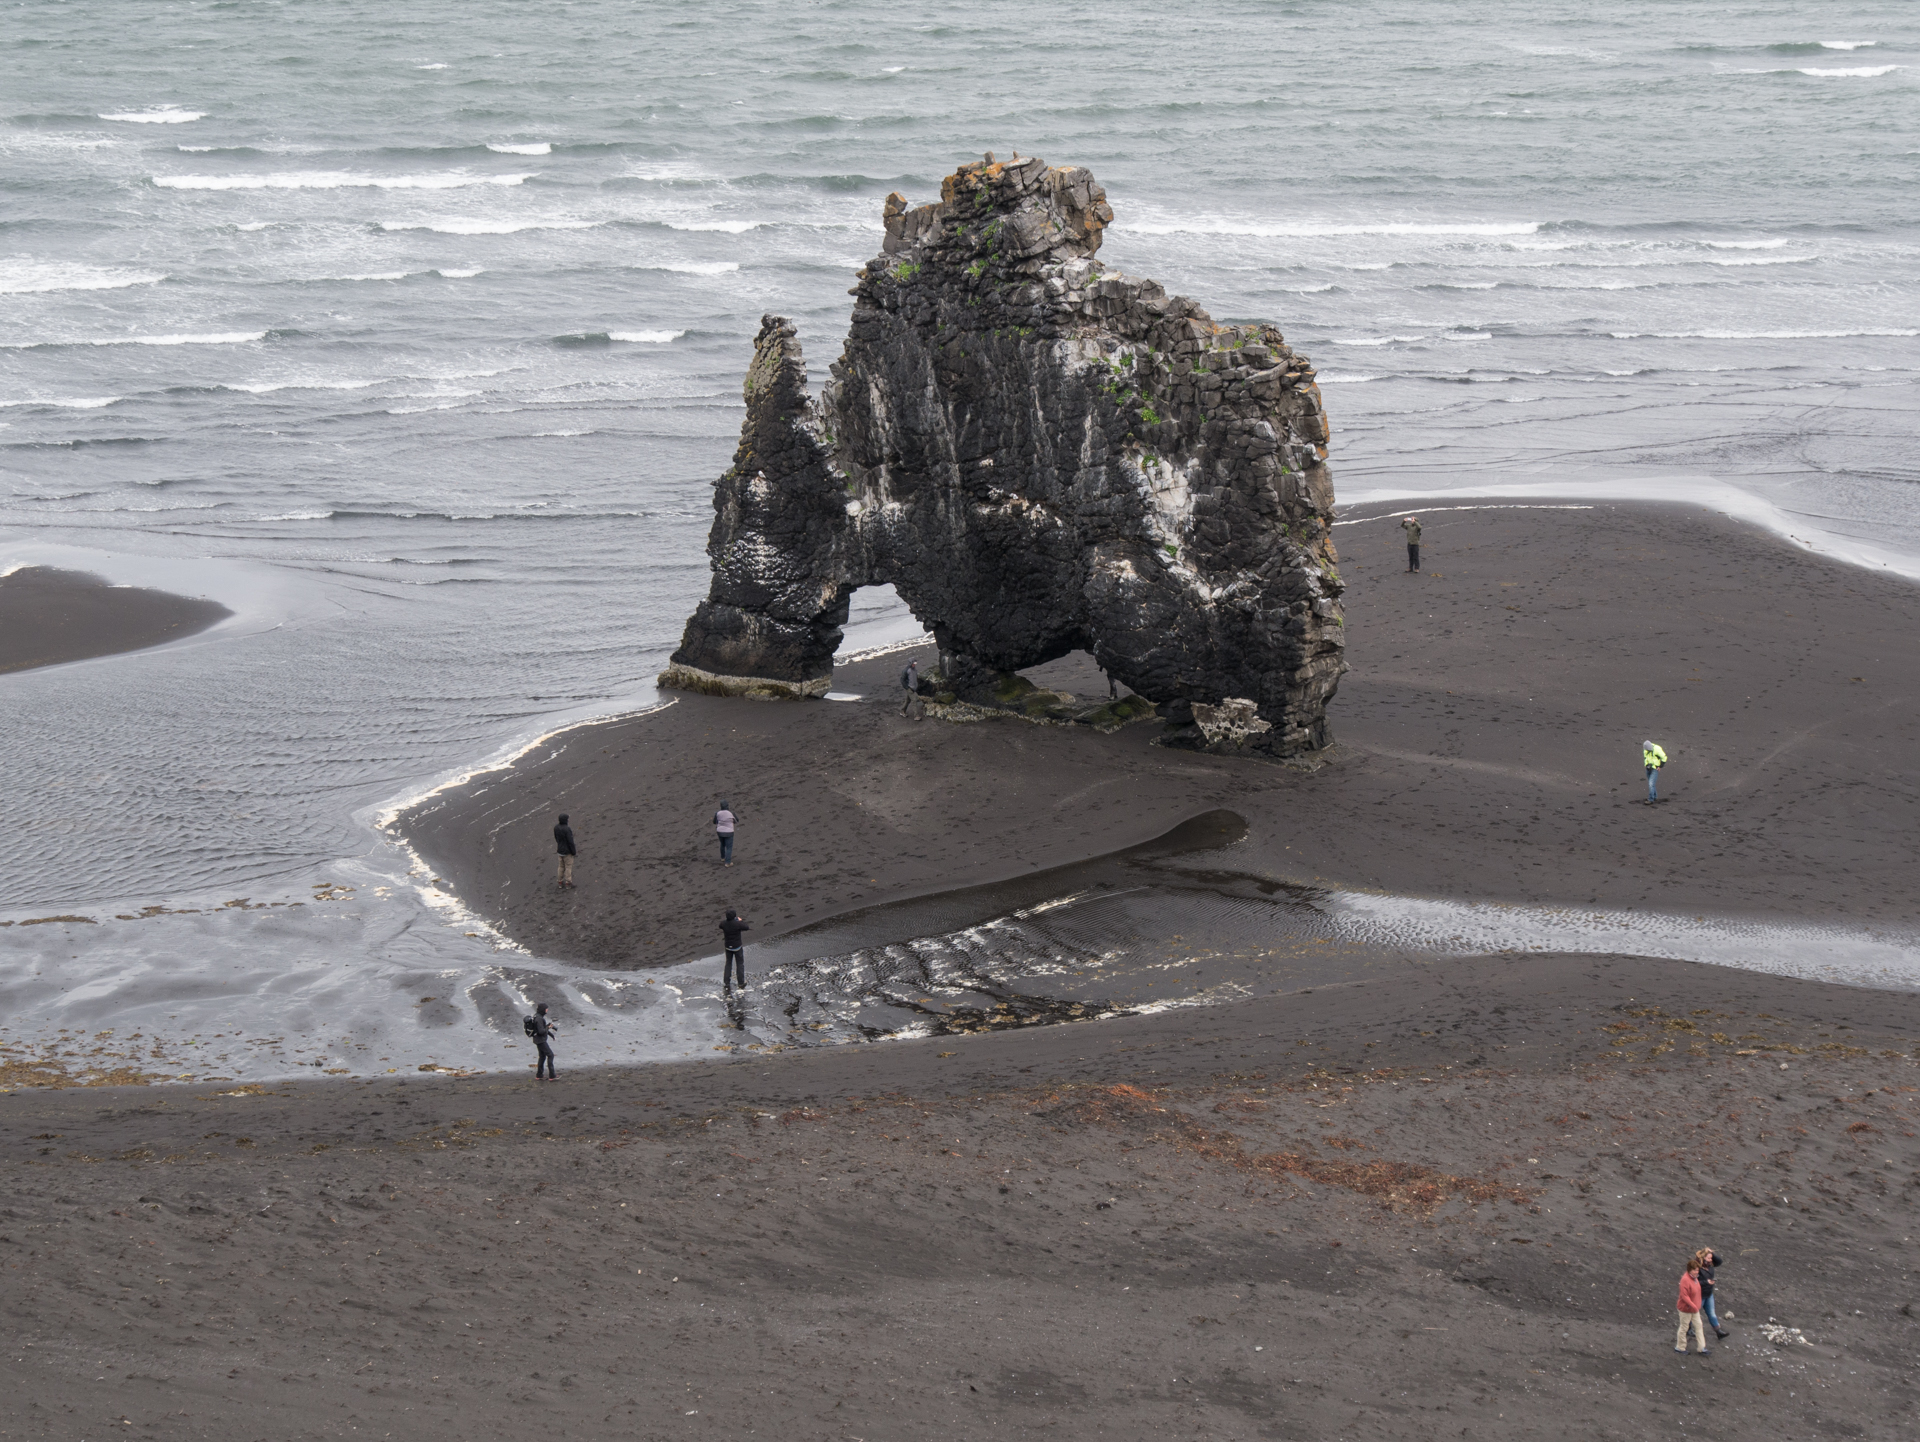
(1747,244)
(487,227)
(226,338)
(1758,259)
(1337,378)
(254,225)
(23,276)
(1755,334)
(88,403)
(729,227)
(1376,339)
(300,516)
(1847,44)
(1306,289)
(699,267)
(537,147)
(1332,228)
(261,388)
(165,115)
(460,274)
(432,65)
(645,337)
(375,275)
(333,180)
(1467,335)
(1821,72)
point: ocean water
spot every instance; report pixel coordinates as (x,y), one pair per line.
(415,335)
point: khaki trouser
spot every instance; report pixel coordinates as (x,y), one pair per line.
(566,870)
(1690,1321)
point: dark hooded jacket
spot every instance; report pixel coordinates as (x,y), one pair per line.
(563,839)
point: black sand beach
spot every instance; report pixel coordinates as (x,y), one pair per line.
(1447,1198)
(1452,1207)
(1488,744)
(49,616)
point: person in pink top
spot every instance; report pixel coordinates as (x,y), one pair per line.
(1689,1309)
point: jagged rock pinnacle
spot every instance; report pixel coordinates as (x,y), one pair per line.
(1042,456)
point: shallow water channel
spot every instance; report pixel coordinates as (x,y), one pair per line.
(1183,921)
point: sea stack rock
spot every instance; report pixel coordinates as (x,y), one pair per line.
(1041,455)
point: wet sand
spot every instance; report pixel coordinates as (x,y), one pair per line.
(1453,1205)
(49,616)
(1488,743)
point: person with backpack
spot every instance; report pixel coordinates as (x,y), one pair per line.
(1653,757)
(542,1031)
(1710,1259)
(723,823)
(563,843)
(1688,1308)
(736,962)
(910,684)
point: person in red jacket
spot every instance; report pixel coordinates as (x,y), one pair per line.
(1689,1309)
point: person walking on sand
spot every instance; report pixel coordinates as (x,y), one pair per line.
(1653,757)
(542,1031)
(563,843)
(736,962)
(1412,527)
(723,823)
(1708,1260)
(910,683)
(1689,1309)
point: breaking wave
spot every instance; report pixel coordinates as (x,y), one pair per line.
(165,115)
(332,180)
(1333,228)
(223,338)
(34,277)
(487,227)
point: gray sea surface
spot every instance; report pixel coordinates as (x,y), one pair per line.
(414,334)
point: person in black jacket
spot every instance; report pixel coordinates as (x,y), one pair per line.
(563,842)
(1709,1259)
(736,961)
(543,1034)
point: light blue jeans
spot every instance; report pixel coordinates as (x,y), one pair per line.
(1653,783)
(1713,1317)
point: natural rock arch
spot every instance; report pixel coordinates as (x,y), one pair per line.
(1041,456)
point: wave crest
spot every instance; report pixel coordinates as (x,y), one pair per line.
(35,277)
(333,180)
(164,115)
(487,227)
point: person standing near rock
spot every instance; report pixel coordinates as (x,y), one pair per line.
(563,843)
(736,961)
(910,683)
(1412,527)
(1688,1308)
(1708,1260)
(542,1031)
(1653,757)
(723,823)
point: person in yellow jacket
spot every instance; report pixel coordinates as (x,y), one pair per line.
(1653,758)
